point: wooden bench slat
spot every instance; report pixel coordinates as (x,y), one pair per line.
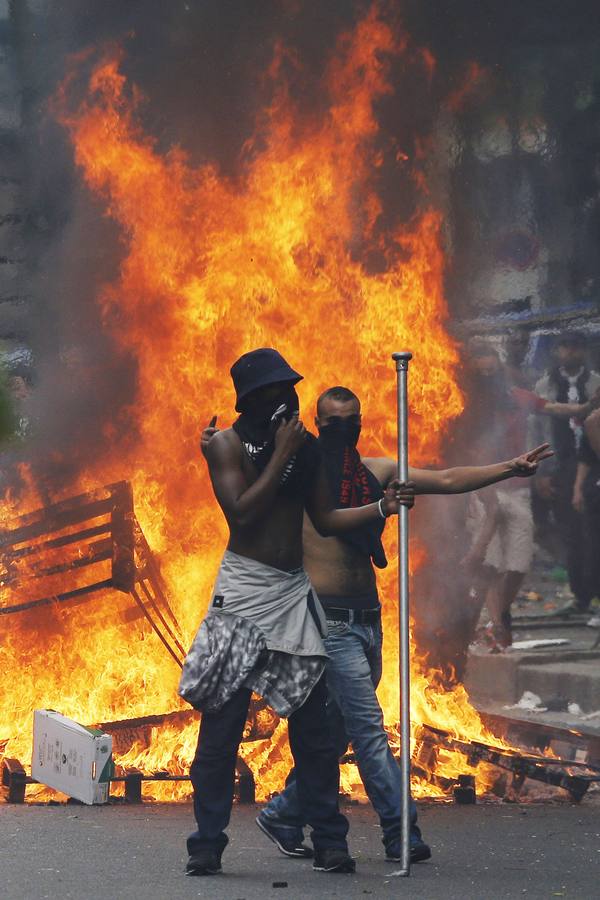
(100,550)
(56,542)
(57,598)
(57,522)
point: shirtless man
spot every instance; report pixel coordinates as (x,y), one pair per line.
(342,573)
(264,628)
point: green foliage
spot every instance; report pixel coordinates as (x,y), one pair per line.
(8,416)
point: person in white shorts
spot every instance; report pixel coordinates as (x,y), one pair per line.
(502,523)
(501,516)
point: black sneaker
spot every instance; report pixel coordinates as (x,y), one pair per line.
(419,851)
(281,837)
(204,862)
(333,860)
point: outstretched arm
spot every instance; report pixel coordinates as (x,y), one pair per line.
(461,479)
(534,403)
(571,410)
(330,521)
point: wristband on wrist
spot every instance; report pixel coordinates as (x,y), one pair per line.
(380,508)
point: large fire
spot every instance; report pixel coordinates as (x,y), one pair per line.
(213,266)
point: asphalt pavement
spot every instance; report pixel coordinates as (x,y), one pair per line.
(491,850)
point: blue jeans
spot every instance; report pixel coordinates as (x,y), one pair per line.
(353,673)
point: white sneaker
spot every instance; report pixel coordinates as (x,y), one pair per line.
(594,622)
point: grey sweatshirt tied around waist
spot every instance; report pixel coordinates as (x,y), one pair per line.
(263,631)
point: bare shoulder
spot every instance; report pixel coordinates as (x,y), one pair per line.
(382,467)
(224,445)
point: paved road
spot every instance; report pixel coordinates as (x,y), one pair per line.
(138,853)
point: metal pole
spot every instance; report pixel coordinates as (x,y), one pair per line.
(402,360)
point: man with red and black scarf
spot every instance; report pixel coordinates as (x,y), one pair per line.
(343,575)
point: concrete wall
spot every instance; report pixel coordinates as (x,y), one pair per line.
(14,302)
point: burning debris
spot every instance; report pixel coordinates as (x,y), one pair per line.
(574,776)
(76,539)
(556,772)
(93,543)
(79,533)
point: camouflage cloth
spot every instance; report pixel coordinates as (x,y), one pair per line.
(263,631)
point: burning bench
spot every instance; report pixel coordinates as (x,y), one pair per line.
(70,551)
(572,775)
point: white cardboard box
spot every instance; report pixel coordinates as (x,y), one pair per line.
(71,758)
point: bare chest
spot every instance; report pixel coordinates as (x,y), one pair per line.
(334,566)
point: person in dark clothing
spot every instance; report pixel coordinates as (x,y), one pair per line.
(586,502)
(569,381)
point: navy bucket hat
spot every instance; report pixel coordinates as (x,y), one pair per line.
(257,369)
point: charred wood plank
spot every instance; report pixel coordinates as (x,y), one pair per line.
(150,570)
(543,769)
(245,787)
(164,623)
(178,717)
(56,543)
(133,786)
(57,598)
(14,778)
(156,629)
(541,735)
(101,493)
(123,541)
(98,551)
(464,792)
(55,522)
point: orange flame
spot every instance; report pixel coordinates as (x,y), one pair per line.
(213,266)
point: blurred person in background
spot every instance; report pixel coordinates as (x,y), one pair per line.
(586,502)
(500,517)
(569,381)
